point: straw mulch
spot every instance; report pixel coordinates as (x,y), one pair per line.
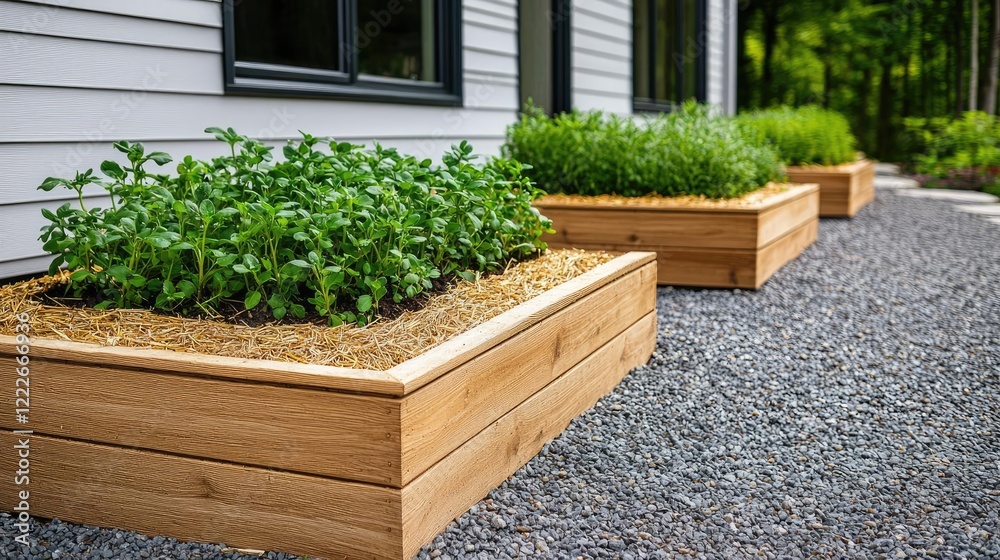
(379,345)
(749,200)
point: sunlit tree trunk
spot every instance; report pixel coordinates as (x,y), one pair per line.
(974,56)
(990,97)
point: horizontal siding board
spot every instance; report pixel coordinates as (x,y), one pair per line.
(489,19)
(587,79)
(40,114)
(24,267)
(586,101)
(587,60)
(618,11)
(489,39)
(200,12)
(505,11)
(58,61)
(28,20)
(595,23)
(621,48)
(27,165)
(500,63)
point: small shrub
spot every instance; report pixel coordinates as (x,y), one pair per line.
(807,135)
(960,153)
(335,232)
(686,152)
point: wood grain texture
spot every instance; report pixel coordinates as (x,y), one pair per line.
(192,499)
(264,371)
(460,480)
(777,254)
(353,437)
(844,189)
(441,359)
(444,414)
(696,246)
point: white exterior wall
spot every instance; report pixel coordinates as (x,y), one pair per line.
(602,55)
(77,75)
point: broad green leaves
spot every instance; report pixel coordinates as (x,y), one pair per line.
(333,229)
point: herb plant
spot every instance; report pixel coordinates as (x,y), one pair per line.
(806,135)
(690,151)
(336,232)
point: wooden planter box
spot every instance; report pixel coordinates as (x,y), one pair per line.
(715,247)
(318,460)
(843,189)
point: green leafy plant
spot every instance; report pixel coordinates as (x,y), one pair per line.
(336,232)
(807,135)
(962,153)
(690,151)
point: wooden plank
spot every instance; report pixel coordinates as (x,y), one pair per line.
(791,192)
(346,436)
(634,228)
(206,501)
(842,187)
(457,482)
(707,268)
(423,369)
(266,371)
(444,414)
(777,221)
(777,254)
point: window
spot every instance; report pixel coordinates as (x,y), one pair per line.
(406,51)
(669,43)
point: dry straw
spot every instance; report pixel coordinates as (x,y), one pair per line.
(752,199)
(379,345)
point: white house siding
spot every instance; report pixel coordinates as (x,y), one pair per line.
(721,45)
(602,55)
(76,75)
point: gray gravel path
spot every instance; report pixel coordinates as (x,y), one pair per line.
(849,408)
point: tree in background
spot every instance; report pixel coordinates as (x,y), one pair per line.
(876,61)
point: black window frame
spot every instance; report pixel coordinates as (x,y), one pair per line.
(279,80)
(562,56)
(643,103)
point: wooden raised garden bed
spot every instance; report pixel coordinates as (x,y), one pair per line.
(843,189)
(718,244)
(320,460)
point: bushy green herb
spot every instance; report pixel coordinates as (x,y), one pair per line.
(689,151)
(806,135)
(335,232)
(969,145)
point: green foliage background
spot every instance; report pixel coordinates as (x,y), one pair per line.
(878,62)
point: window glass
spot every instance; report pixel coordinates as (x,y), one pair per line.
(666,50)
(691,49)
(395,39)
(300,33)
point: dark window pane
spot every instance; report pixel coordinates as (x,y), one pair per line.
(395,39)
(301,33)
(692,49)
(641,69)
(666,50)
